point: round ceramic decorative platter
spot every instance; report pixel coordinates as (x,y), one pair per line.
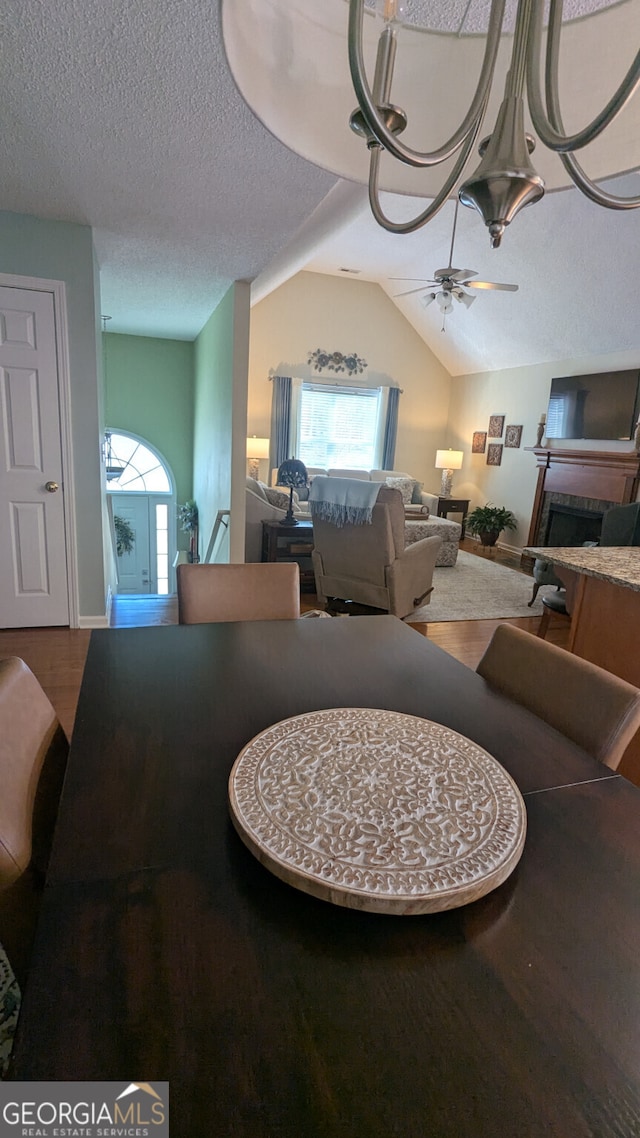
(377,810)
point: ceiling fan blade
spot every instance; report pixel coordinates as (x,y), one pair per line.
(492,285)
(425,280)
(454,274)
(409,292)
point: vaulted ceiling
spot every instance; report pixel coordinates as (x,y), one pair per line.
(124,116)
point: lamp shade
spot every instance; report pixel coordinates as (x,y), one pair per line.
(257,448)
(292,473)
(465,298)
(449,459)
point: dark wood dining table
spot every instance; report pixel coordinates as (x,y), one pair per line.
(166,951)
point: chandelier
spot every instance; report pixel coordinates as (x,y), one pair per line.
(114,467)
(505,179)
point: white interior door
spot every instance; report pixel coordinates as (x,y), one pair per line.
(134,568)
(33,563)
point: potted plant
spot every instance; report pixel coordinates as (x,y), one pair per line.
(487,522)
(125,537)
(188,517)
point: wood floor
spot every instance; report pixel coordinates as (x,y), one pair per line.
(57,655)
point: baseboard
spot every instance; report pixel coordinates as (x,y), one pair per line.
(99,621)
(93,622)
(515,549)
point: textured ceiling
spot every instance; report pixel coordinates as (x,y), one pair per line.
(575,264)
(471,17)
(123,116)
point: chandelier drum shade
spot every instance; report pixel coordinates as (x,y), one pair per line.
(453,91)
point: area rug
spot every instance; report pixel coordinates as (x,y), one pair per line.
(476,588)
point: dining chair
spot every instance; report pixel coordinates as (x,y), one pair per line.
(553,604)
(33,756)
(592,707)
(251,591)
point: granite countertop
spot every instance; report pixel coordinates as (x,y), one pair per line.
(619,565)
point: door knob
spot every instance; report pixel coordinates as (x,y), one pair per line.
(51,487)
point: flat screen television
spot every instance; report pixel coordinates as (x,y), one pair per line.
(599,406)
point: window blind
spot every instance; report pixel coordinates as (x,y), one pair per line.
(338,426)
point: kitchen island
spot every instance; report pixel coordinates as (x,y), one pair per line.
(603,597)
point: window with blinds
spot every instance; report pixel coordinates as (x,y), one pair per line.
(556,416)
(339,426)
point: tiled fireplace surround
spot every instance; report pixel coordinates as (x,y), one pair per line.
(585,481)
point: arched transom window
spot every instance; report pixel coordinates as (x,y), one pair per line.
(131,465)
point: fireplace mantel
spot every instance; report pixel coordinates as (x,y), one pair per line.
(613,476)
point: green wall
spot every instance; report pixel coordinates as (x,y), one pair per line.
(149,390)
(220,416)
(62,251)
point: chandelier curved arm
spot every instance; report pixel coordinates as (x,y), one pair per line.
(473,118)
(569,161)
(591,190)
(548,125)
(435,206)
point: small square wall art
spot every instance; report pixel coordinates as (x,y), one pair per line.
(496,426)
(512,436)
(479,442)
(494,454)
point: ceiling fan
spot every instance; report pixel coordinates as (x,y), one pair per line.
(452,283)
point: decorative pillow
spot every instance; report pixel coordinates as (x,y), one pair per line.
(404,485)
(279,498)
(416,497)
(257,487)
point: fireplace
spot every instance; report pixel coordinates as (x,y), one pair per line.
(568,525)
(580,480)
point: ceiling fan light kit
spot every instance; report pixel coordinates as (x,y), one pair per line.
(453,282)
(506,180)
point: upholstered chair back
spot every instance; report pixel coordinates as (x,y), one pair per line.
(31,743)
(592,707)
(33,757)
(260,591)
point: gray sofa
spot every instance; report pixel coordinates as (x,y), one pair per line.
(419,496)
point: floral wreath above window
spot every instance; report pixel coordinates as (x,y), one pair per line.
(336,361)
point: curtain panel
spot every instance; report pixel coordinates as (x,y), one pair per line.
(280,420)
(390,429)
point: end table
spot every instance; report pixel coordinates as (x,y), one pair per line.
(291,543)
(453,506)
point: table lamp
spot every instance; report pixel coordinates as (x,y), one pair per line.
(256,449)
(447,461)
(292,473)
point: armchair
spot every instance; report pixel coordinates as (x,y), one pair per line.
(369,563)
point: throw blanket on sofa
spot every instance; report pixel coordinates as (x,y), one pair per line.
(343,501)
